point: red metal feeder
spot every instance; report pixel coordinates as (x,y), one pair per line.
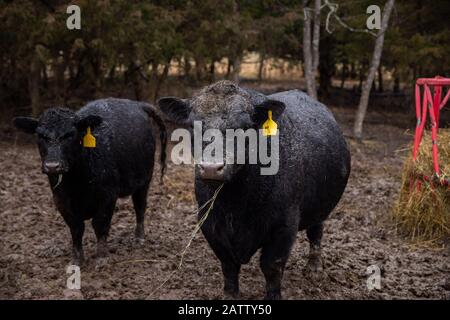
(432,105)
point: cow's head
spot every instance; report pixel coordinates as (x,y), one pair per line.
(59,135)
(222,106)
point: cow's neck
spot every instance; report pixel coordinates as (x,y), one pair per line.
(76,178)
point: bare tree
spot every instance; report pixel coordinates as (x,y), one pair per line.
(316,35)
(311,45)
(376,57)
(236,68)
(261,65)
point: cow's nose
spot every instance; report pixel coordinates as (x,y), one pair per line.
(212,171)
(52,166)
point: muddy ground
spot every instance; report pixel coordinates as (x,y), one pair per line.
(34,241)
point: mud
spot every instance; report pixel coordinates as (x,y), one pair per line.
(35,250)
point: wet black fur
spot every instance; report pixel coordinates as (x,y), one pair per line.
(253,211)
(94,178)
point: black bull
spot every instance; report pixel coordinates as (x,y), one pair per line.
(254,211)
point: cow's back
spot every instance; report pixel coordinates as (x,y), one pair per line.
(125,145)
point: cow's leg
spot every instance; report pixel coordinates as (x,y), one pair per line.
(230,268)
(314,234)
(76,226)
(274,256)
(230,271)
(101,222)
(140,204)
(77,231)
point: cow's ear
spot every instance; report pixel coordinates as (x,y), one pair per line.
(26,124)
(91,121)
(261,111)
(176,109)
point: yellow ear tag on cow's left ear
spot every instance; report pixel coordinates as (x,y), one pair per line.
(89,140)
(270,127)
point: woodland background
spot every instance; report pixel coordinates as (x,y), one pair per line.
(143,49)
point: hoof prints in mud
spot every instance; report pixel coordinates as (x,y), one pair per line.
(35,248)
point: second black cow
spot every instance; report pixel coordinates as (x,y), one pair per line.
(86,181)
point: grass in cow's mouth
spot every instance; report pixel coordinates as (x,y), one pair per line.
(60,177)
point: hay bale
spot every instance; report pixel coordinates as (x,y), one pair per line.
(424,214)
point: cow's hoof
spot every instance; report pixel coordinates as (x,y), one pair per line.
(139,242)
(139,232)
(314,264)
(102,250)
(231,294)
(77,259)
(273,296)
(314,268)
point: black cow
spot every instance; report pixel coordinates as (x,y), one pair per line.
(254,211)
(86,182)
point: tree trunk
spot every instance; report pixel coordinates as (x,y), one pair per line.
(160,81)
(352,71)
(33,86)
(138,81)
(212,71)
(187,68)
(44,77)
(311,47)
(236,69)
(72,72)
(316,36)
(261,66)
(199,67)
(396,83)
(376,57)
(153,81)
(112,74)
(96,64)
(343,74)
(156,79)
(59,67)
(307,56)
(229,65)
(79,75)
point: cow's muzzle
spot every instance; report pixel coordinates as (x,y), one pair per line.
(53,167)
(212,171)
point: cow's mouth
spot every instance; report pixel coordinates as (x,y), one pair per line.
(212,182)
(218,181)
(53,168)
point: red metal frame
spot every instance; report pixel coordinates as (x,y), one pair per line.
(431,105)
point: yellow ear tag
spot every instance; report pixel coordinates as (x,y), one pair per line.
(270,126)
(89,140)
